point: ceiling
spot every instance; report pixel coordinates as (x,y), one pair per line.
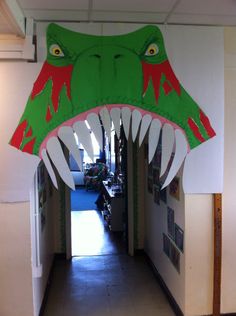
(194,12)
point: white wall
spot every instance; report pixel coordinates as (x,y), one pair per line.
(16,178)
(16,295)
(46,244)
(229,195)
(156,225)
(16,168)
(198,254)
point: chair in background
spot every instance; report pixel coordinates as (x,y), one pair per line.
(94,176)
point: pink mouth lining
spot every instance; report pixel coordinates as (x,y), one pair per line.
(83,117)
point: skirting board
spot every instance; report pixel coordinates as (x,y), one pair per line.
(172,301)
(57,256)
(167,292)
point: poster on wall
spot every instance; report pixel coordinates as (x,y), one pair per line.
(171,222)
(174,188)
(179,238)
(175,257)
(166,245)
(171,252)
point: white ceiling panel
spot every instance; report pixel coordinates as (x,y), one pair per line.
(134,17)
(54,4)
(207,7)
(204,12)
(134,5)
(57,15)
(5,26)
(198,19)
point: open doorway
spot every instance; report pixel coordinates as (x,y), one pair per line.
(98,221)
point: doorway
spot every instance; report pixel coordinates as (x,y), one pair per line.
(96,229)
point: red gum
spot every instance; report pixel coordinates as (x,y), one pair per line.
(59,75)
(154,72)
(83,117)
(18,135)
(195,130)
(48,115)
(206,123)
(29,133)
(29,147)
(167,88)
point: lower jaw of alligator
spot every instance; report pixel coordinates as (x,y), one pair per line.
(139,121)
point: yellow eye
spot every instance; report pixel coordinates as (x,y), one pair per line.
(152,50)
(55,50)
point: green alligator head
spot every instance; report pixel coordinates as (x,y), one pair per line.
(125,78)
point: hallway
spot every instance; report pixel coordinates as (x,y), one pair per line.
(107,282)
(106,285)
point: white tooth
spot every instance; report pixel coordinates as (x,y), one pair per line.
(57,156)
(167,144)
(106,121)
(49,167)
(84,137)
(181,150)
(115,116)
(126,115)
(136,119)
(153,138)
(144,127)
(66,134)
(95,125)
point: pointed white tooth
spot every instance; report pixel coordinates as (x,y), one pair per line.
(49,167)
(153,138)
(126,115)
(57,156)
(136,120)
(115,116)
(167,144)
(84,137)
(181,150)
(144,127)
(66,134)
(95,125)
(106,122)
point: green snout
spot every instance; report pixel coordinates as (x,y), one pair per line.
(106,74)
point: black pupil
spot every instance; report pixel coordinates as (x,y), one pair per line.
(57,51)
(151,51)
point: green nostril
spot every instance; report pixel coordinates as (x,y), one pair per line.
(99,56)
(96,56)
(117,56)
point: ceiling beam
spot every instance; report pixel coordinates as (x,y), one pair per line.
(14,16)
(171,11)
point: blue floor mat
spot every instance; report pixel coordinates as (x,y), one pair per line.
(83,200)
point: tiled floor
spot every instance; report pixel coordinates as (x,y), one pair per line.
(113,284)
(91,237)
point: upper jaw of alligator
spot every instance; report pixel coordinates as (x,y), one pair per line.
(138,120)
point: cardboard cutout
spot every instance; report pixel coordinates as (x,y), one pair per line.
(125,78)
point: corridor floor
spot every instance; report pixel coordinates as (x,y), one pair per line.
(109,283)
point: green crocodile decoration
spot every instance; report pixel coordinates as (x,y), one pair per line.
(125,78)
